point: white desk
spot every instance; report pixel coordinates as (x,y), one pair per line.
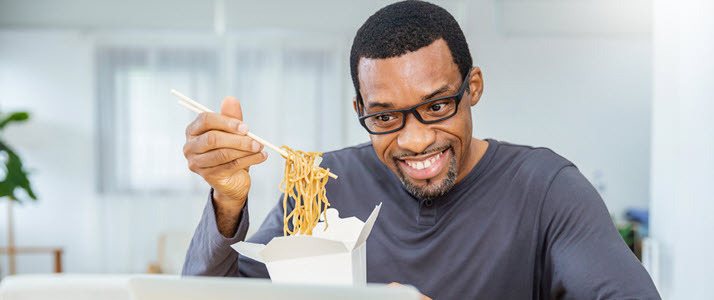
(156,287)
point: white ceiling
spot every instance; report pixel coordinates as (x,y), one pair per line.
(512,17)
(574,17)
(320,15)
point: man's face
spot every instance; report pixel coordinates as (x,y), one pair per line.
(445,146)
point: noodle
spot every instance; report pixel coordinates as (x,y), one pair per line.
(306,185)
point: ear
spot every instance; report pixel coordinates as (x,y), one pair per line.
(475,85)
(354,105)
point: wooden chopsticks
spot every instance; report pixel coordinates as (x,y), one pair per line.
(198,108)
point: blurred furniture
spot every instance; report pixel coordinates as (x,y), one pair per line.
(171,252)
(55,251)
(65,287)
(15,179)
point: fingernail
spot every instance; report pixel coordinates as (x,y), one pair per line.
(256,146)
(242,128)
(265,154)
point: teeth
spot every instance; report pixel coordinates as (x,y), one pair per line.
(424,164)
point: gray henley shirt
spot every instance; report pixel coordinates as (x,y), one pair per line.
(523,224)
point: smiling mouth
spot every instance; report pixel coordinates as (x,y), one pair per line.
(425,163)
(424,167)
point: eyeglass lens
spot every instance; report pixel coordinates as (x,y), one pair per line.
(430,111)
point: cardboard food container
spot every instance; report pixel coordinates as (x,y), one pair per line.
(336,255)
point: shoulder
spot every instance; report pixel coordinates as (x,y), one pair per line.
(572,206)
(360,152)
(354,160)
(360,172)
(358,149)
(571,192)
(528,161)
(535,156)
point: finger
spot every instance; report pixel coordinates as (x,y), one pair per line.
(216,157)
(231,107)
(396,284)
(212,121)
(227,169)
(215,139)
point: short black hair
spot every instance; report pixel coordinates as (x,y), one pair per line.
(404,27)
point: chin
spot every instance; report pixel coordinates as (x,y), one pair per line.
(430,188)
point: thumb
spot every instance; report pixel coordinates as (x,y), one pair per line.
(231,107)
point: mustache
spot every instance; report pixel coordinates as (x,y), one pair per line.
(401,153)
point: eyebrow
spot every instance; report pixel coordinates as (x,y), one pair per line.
(423,99)
(434,93)
(381,104)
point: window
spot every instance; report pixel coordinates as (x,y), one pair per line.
(290,94)
(141,129)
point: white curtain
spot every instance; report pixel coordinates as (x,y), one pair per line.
(291,95)
(141,127)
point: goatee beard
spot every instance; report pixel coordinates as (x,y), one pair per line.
(432,189)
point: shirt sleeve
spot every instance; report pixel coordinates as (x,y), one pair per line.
(210,253)
(272,227)
(584,255)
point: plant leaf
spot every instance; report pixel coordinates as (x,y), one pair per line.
(14,117)
(15,176)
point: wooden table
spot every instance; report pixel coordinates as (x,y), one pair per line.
(55,251)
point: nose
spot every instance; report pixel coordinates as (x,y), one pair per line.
(415,136)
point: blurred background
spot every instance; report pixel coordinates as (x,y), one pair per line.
(622,88)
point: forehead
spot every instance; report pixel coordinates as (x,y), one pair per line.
(405,79)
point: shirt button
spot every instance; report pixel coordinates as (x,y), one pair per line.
(429,202)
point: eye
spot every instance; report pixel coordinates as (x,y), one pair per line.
(384,118)
(437,107)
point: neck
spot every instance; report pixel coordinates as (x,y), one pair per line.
(476,150)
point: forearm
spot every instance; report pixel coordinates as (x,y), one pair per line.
(210,253)
(227,213)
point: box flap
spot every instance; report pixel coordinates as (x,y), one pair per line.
(249,250)
(367,229)
(345,230)
(287,247)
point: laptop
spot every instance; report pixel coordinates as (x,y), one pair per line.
(189,288)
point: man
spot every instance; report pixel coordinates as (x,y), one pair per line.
(462,218)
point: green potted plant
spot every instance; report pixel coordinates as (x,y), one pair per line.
(14,178)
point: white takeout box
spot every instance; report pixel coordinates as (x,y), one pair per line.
(337,255)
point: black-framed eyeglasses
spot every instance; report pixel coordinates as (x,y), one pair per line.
(428,112)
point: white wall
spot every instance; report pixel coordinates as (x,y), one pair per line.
(50,74)
(585,95)
(56,145)
(683,148)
